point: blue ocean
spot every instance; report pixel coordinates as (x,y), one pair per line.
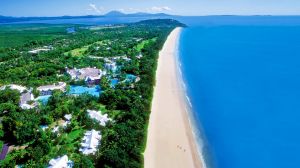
(243,81)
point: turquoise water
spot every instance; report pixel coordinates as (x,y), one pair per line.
(43,99)
(114,82)
(78,90)
(130,78)
(244,86)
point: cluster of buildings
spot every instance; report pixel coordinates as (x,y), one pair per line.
(62,123)
(90,75)
(92,138)
(26,98)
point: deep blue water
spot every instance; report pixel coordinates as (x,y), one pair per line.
(244,85)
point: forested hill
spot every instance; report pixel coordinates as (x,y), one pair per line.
(53,123)
(161,23)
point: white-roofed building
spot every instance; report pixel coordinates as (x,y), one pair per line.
(68,117)
(139,56)
(65,124)
(47,89)
(55,129)
(112,66)
(25,99)
(14,87)
(38,50)
(103,119)
(61,162)
(27,106)
(89,75)
(91,141)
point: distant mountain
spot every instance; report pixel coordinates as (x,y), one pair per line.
(9,19)
(138,14)
(115,14)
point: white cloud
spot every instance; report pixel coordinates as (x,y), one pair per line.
(129,10)
(160,8)
(94,8)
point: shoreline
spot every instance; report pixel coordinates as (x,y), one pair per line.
(171,141)
(195,137)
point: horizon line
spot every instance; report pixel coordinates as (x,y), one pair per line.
(95,15)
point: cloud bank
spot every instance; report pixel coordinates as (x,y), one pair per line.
(160,8)
(94,8)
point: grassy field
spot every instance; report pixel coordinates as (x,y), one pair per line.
(79,52)
(140,46)
(18,35)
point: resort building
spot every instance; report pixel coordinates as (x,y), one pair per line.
(112,66)
(139,56)
(90,142)
(47,89)
(89,75)
(68,117)
(102,119)
(55,129)
(61,162)
(19,88)
(38,50)
(120,57)
(25,100)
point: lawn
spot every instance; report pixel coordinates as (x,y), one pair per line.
(74,135)
(140,46)
(79,52)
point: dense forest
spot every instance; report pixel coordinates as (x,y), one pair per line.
(132,47)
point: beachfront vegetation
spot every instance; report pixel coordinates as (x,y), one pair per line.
(123,139)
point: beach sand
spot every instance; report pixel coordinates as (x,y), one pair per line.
(170,142)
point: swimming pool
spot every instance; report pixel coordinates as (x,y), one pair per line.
(78,90)
(43,99)
(130,78)
(114,82)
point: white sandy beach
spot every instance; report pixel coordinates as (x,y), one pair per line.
(170,142)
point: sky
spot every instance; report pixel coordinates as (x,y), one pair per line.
(178,7)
